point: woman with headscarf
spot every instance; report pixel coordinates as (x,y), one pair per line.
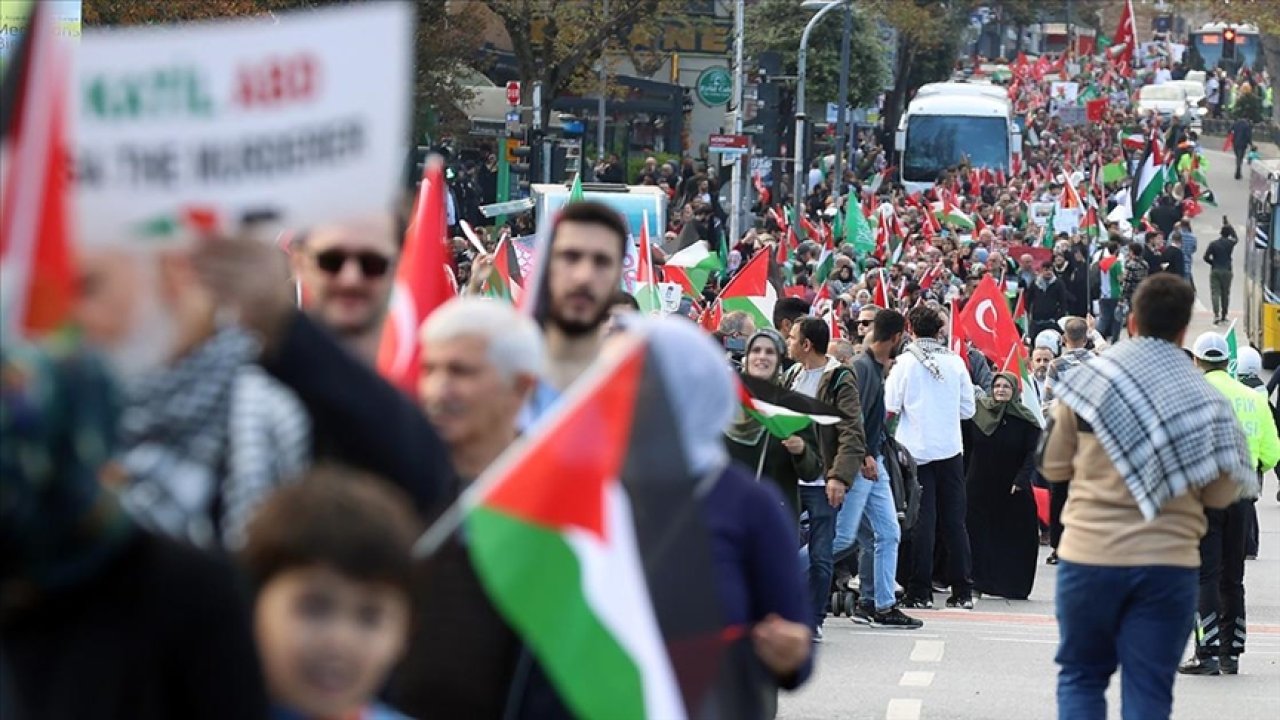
(785,462)
(1003,535)
(752,540)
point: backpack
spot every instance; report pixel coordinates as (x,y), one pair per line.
(904,482)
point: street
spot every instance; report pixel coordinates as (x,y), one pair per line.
(997,661)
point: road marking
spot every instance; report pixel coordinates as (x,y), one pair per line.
(928,651)
(1020,640)
(916,678)
(903,709)
(895,633)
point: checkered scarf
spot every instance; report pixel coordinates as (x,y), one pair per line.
(1166,430)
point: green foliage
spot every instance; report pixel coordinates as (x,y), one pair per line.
(777,25)
(1248,106)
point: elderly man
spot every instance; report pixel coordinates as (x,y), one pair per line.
(346,272)
(481,361)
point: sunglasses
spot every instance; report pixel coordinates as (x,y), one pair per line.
(865,322)
(372,264)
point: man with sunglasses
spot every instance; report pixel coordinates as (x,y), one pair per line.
(347,272)
(862,326)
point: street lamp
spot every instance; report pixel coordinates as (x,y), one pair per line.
(798,174)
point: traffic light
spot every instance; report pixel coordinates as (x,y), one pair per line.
(1229,44)
(521,167)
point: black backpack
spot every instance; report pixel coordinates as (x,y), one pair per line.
(904,481)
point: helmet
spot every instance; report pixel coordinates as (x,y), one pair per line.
(1248,362)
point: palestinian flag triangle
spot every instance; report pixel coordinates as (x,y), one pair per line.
(646,280)
(779,419)
(586,535)
(752,291)
(505,280)
(697,263)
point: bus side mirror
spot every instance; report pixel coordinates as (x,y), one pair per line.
(900,140)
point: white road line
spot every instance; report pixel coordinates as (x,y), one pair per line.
(916,678)
(1020,640)
(903,709)
(928,651)
(901,634)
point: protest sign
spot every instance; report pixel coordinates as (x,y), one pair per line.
(1040,212)
(15,14)
(292,120)
(1066,92)
(632,205)
(670,293)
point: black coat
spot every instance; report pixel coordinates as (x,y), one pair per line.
(1004,535)
(1047,304)
(358,419)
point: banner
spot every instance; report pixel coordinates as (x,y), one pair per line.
(1040,212)
(14,15)
(288,121)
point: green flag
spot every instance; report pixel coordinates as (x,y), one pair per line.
(856,230)
(1232,350)
(575,192)
(1114,172)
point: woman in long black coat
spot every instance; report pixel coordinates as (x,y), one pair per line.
(1003,535)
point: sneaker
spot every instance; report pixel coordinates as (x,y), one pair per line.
(1200,666)
(1052,559)
(917,603)
(1230,664)
(817,634)
(895,619)
(961,602)
(863,614)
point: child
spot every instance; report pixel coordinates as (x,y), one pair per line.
(330,563)
(1253,154)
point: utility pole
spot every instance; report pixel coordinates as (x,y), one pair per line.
(735,196)
(798,175)
(604,89)
(842,93)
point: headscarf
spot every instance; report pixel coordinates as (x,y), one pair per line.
(743,428)
(990,413)
(693,364)
(59,525)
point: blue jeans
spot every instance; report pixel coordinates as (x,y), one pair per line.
(872,500)
(822,529)
(1135,617)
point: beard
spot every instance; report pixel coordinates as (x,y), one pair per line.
(576,327)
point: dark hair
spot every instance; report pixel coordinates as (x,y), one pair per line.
(886,324)
(815,330)
(789,308)
(357,524)
(1137,248)
(1162,306)
(622,297)
(588,212)
(1046,264)
(925,321)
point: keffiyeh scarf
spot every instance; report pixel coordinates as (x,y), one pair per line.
(926,351)
(1164,427)
(207,438)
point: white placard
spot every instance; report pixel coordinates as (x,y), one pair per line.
(301,118)
(670,293)
(1066,92)
(1040,212)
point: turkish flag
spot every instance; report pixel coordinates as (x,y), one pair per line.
(988,325)
(1094,109)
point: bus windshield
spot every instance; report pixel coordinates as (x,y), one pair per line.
(938,142)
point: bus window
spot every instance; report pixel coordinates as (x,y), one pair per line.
(938,142)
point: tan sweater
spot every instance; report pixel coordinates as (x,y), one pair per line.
(1102,524)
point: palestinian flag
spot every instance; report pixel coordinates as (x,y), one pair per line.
(575,191)
(1112,271)
(646,293)
(788,413)
(38,283)
(949,214)
(1233,350)
(826,260)
(1149,181)
(587,539)
(696,263)
(505,280)
(751,291)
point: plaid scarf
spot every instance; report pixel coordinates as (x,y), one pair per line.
(207,438)
(925,350)
(1165,428)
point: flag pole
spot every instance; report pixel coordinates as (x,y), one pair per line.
(763,452)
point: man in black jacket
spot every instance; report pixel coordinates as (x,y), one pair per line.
(1241,139)
(1046,299)
(1218,255)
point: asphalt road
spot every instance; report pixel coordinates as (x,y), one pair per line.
(996,662)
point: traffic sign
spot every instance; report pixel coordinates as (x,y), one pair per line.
(729,144)
(513,93)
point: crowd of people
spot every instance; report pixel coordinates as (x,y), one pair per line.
(211,511)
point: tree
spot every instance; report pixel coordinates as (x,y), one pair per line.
(928,44)
(560,43)
(441,44)
(774,25)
